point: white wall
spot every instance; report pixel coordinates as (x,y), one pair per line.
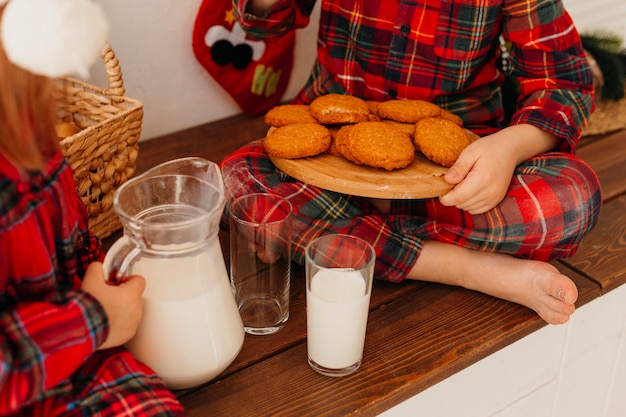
(152,39)
(598,15)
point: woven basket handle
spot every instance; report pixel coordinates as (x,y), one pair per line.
(113,72)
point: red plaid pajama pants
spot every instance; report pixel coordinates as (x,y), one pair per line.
(552,203)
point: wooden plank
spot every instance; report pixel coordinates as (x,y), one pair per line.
(412,343)
(212,141)
(607,156)
(602,254)
(588,290)
(258,348)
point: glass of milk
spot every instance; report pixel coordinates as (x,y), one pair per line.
(339,275)
(260,260)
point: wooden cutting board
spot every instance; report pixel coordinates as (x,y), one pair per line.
(421,179)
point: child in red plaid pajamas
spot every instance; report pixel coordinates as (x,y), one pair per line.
(520,196)
(61,325)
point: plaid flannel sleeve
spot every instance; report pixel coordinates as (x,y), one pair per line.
(39,336)
(555,81)
(89,248)
(44,340)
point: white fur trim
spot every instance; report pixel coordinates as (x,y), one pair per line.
(54,37)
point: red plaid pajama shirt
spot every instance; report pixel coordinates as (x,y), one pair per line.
(446,52)
(49,328)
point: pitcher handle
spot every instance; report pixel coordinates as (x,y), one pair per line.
(119,259)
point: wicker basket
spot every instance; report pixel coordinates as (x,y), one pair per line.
(609,116)
(103,153)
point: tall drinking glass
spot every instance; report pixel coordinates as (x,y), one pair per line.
(260,260)
(339,275)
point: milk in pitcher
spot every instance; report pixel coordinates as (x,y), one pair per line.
(182,335)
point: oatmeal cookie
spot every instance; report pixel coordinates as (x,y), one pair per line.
(333,149)
(440,140)
(287,114)
(373,105)
(408,128)
(341,143)
(339,109)
(297,140)
(380,145)
(407,111)
(448,115)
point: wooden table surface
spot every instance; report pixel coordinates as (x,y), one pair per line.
(418,333)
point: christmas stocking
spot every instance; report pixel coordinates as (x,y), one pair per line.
(254,72)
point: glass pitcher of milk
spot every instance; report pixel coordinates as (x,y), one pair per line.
(191,329)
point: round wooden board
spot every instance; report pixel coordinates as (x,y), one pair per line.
(421,179)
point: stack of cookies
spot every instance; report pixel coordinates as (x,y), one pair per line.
(376,134)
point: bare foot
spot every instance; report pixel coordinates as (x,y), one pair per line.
(534,284)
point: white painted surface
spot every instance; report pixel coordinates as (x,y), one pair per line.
(575,370)
(152,39)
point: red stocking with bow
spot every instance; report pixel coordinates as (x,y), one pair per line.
(255,73)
